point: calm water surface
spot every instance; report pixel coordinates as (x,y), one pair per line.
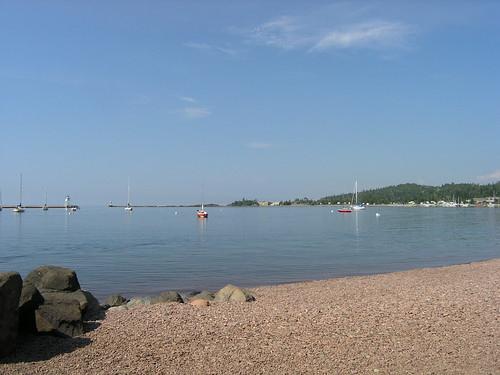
(154,249)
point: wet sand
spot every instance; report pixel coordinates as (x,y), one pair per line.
(433,321)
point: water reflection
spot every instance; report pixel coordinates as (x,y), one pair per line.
(202,226)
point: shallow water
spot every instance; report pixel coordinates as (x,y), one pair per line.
(154,249)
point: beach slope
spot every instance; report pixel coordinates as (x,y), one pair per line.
(438,320)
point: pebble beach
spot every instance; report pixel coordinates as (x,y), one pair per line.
(434,321)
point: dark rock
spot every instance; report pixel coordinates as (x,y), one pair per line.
(55,298)
(94,311)
(233,293)
(205,295)
(168,296)
(61,319)
(28,303)
(191,294)
(10,290)
(115,300)
(53,278)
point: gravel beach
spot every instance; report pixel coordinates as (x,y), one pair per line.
(433,321)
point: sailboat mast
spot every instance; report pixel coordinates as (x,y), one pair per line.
(128,192)
(20,190)
(356,190)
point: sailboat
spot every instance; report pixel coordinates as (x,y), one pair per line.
(19,208)
(356,206)
(129,208)
(45,207)
(0,200)
(202,214)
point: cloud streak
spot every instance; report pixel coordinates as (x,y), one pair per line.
(187,99)
(211,48)
(292,33)
(367,35)
(283,32)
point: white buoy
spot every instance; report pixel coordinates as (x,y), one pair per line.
(175,213)
(377,214)
(332,211)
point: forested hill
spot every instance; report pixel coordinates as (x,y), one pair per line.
(404,193)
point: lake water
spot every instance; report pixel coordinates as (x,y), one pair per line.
(154,249)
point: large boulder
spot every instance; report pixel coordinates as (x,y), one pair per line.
(53,278)
(60,319)
(205,295)
(54,298)
(233,293)
(94,311)
(10,290)
(28,303)
(168,296)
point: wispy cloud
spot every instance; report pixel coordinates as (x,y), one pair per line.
(259,145)
(211,48)
(367,35)
(195,112)
(282,32)
(493,176)
(187,99)
(290,33)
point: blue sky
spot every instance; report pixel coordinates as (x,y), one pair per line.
(227,99)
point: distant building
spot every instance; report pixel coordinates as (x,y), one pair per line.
(485,201)
(263,203)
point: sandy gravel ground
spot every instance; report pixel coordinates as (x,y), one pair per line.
(429,321)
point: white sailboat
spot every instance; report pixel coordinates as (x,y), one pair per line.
(129,208)
(1,200)
(45,207)
(19,208)
(356,206)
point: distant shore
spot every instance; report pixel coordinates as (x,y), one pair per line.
(433,320)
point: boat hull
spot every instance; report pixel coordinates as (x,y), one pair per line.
(202,214)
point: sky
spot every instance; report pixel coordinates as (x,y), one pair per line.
(220,100)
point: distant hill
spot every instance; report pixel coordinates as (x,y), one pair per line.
(404,193)
(245,203)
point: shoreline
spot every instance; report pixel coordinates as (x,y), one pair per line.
(184,292)
(427,320)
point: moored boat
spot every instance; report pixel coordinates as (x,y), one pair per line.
(201,213)
(19,208)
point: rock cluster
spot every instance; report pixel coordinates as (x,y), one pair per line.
(229,293)
(54,303)
(48,301)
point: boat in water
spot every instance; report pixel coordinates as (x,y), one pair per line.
(45,207)
(19,208)
(129,208)
(354,206)
(201,213)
